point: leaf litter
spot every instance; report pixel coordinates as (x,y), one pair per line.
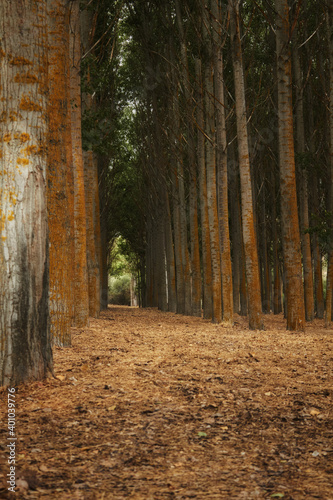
(152,405)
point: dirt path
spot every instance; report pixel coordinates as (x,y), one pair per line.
(152,405)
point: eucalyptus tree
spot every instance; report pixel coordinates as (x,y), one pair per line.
(81,297)
(60,192)
(24,246)
(304,205)
(289,210)
(249,237)
(219,37)
(329,290)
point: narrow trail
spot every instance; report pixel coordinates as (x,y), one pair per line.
(151,405)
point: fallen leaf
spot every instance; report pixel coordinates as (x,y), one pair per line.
(313,412)
(22,484)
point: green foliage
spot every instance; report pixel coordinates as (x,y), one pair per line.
(122,258)
(119,290)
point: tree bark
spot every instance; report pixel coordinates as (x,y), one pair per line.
(212,195)
(81,296)
(90,169)
(60,177)
(192,170)
(329,283)
(304,206)
(290,236)
(249,237)
(205,236)
(170,257)
(24,247)
(222,169)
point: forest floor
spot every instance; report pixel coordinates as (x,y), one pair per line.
(150,405)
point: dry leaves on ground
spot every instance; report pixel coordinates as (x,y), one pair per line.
(151,405)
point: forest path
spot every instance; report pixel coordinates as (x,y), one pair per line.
(152,405)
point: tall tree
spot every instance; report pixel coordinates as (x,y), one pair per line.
(81,297)
(24,277)
(90,168)
(205,236)
(192,167)
(304,205)
(211,172)
(60,176)
(249,237)
(290,227)
(222,166)
(329,286)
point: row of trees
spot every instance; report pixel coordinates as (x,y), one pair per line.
(50,251)
(233,150)
(207,132)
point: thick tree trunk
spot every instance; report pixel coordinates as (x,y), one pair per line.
(289,211)
(249,237)
(24,258)
(81,296)
(60,177)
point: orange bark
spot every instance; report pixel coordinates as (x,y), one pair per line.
(91,190)
(249,237)
(59,178)
(81,297)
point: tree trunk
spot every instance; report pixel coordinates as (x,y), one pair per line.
(24,247)
(277,305)
(304,208)
(266,297)
(212,196)
(90,168)
(81,297)
(205,237)
(60,177)
(92,231)
(249,237)
(289,211)
(192,169)
(329,283)
(222,169)
(170,258)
